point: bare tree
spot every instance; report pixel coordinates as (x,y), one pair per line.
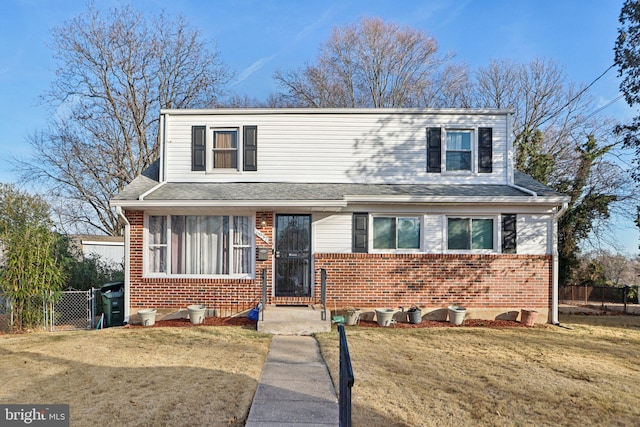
(551,114)
(115,73)
(612,269)
(375,64)
(561,143)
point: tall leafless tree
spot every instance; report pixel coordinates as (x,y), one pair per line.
(115,72)
(562,143)
(376,64)
(551,114)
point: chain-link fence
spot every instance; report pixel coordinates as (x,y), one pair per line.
(5,315)
(73,310)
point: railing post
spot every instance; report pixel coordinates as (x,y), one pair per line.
(323,292)
(346,380)
(264,293)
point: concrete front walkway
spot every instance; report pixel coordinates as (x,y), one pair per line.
(295,388)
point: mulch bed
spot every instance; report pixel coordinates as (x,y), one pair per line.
(477,323)
(208,321)
(243,321)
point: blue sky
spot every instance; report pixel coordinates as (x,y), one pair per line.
(257,37)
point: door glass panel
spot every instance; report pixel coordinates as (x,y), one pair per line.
(293,255)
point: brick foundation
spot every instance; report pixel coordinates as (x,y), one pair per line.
(474,281)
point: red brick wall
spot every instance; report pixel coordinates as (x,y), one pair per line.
(224,295)
(360,280)
(474,281)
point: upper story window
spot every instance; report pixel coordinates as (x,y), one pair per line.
(396,232)
(460,150)
(226,149)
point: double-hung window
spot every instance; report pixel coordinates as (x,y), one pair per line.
(470,234)
(157,244)
(396,233)
(225,149)
(458,150)
(199,245)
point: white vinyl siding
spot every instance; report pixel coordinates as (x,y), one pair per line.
(534,235)
(433,234)
(332,233)
(333,147)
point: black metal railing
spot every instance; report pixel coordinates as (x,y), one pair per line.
(346,380)
(264,293)
(323,293)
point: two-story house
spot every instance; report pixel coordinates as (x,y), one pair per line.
(397,206)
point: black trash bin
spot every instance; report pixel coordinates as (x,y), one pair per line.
(113,303)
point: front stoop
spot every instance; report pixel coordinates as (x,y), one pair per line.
(294,320)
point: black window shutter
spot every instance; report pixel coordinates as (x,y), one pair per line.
(509,233)
(360,233)
(434,150)
(250,148)
(198,148)
(485,150)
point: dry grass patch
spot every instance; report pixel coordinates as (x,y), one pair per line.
(589,375)
(145,377)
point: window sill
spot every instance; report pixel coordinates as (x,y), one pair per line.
(199,276)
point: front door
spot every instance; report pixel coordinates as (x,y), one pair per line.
(293,256)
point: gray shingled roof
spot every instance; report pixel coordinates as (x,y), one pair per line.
(180,191)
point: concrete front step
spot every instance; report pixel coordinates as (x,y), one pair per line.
(294,320)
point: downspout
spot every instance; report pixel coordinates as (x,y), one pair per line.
(127,263)
(555,268)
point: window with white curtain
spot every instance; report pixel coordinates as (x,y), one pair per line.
(200,244)
(158,244)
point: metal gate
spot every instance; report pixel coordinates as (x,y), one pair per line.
(293,256)
(74,310)
(5,314)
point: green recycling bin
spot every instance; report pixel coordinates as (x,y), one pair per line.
(113,304)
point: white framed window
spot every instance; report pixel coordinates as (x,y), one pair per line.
(201,245)
(224,149)
(157,244)
(471,234)
(458,150)
(396,233)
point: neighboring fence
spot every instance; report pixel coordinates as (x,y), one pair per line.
(74,310)
(346,380)
(579,295)
(5,315)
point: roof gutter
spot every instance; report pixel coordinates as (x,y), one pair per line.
(226,203)
(551,200)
